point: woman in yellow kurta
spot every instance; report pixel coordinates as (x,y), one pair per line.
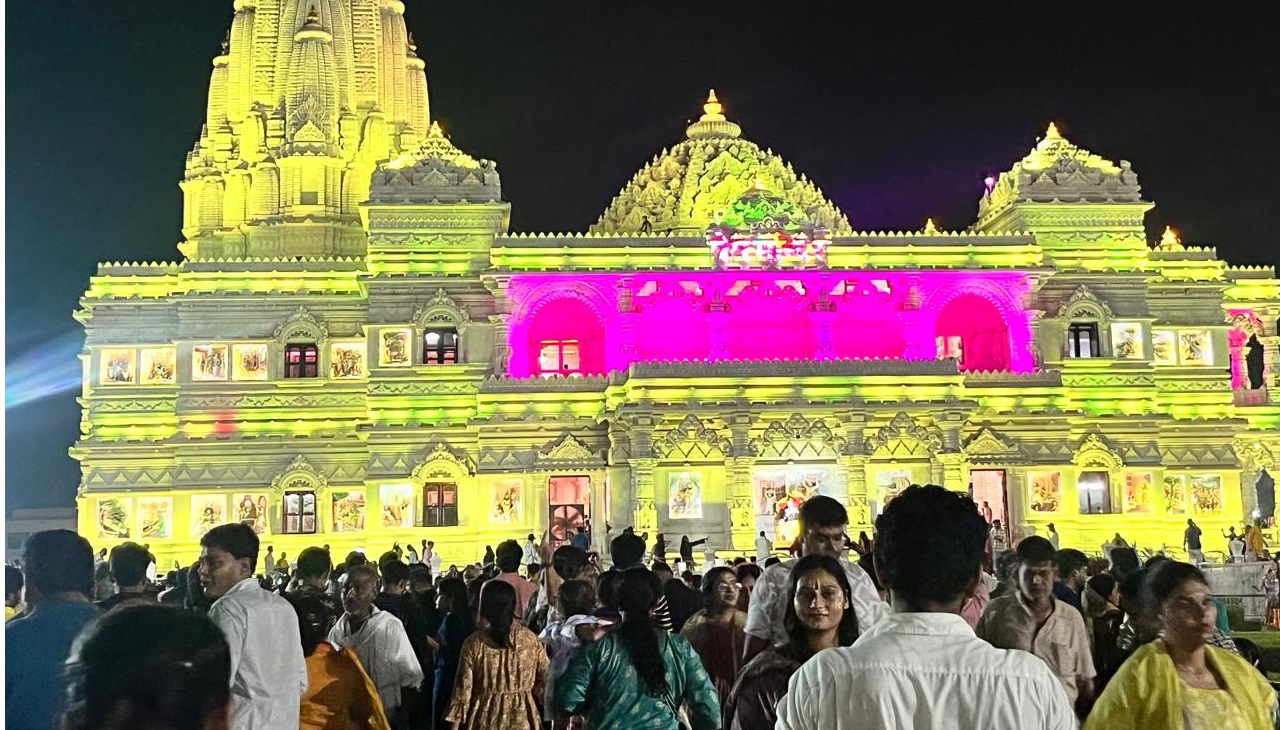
(1179,681)
(502,668)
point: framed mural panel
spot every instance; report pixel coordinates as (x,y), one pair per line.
(1194,348)
(209,362)
(1126,340)
(118,367)
(115,518)
(889,484)
(1164,347)
(346,360)
(249,362)
(779,491)
(251,509)
(397,504)
(207,512)
(1175,494)
(155,517)
(1044,490)
(395,347)
(157,365)
(1138,492)
(348,511)
(684,495)
(1206,493)
(508,501)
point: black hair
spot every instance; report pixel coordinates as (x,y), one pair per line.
(577,597)
(748,570)
(627,550)
(1006,565)
(568,561)
(58,561)
(12,580)
(147,667)
(930,543)
(419,575)
(822,511)
(314,562)
(711,579)
(659,566)
(1161,581)
(354,558)
(1035,549)
(1102,584)
(509,555)
(1124,560)
(533,570)
(1070,560)
(637,594)
(846,632)
(771,561)
(385,558)
(454,593)
(498,607)
(473,595)
(868,563)
(129,562)
(607,587)
(236,539)
(394,571)
(316,617)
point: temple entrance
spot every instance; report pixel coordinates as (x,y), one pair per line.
(568,507)
(989,490)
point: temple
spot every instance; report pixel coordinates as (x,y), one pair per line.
(354,350)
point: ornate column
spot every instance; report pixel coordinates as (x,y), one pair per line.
(955,471)
(737,471)
(645,509)
(501,320)
(1271,373)
(853,469)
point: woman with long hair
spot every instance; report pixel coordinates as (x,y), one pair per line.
(1180,680)
(638,677)
(501,670)
(149,667)
(718,631)
(819,616)
(457,625)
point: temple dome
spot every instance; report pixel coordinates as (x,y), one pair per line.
(437,172)
(689,187)
(1057,171)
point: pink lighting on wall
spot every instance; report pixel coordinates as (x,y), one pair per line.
(615,319)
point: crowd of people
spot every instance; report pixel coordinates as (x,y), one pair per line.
(931,622)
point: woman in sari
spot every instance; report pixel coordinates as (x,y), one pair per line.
(718,632)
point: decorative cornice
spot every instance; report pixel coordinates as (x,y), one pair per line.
(443,461)
(299,474)
(301,325)
(693,440)
(904,427)
(987,443)
(1094,452)
(798,437)
(1084,300)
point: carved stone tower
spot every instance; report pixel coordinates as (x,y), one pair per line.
(306,98)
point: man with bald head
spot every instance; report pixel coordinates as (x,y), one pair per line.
(380,641)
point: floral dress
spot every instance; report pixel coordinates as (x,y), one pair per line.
(494,688)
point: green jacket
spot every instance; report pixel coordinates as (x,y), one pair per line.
(601,683)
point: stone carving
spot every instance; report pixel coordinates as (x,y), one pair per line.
(299,474)
(986,443)
(682,190)
(903,428)
(1058,171)
(568,448)
(443,462)
(693,440)
(437,172)
(1084,303)
(798,438)
(301,326)
(441,309)
(1095,453)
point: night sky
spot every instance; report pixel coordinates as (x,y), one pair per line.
(896,115)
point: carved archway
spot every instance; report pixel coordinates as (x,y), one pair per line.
(301,326)
(443,463)
(441,311)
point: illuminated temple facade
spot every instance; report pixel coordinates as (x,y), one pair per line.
(354,350)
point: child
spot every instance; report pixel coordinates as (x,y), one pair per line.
(577,599)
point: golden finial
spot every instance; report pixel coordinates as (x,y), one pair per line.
(929,228)
(1052,132)
(713,110)
(413,45)
(436,130)
(1170,239)
(226,43)
(313,16)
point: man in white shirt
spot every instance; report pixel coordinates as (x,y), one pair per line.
(530,555)
(923,667)
(380,641)
(822,532)
(764,548)
(268,672)
(431,557)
